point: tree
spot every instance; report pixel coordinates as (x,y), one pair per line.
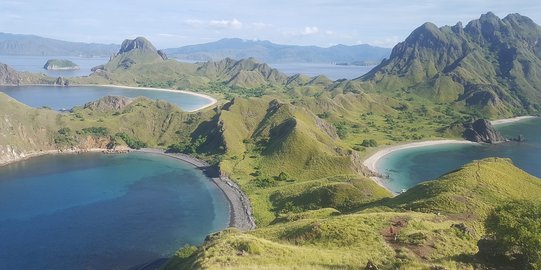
(516,227)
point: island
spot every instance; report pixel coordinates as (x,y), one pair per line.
(60,64)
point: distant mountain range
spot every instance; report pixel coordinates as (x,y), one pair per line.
(14,44)
(269,52)
(265,51)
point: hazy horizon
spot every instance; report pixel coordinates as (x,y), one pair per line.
(171,24)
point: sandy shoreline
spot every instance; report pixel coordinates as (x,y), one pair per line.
(241,211)
(371,162)
(511,120)
(50,152)
(212,100)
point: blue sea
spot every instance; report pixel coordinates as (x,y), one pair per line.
(96,211)
(59,98)
(408,167)
(35,64)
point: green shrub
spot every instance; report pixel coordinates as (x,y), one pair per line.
(131,142)
(249,247)
(369,143)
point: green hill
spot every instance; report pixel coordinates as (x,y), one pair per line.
(442,236)
(492,65)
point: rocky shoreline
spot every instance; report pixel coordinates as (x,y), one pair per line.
(241,210)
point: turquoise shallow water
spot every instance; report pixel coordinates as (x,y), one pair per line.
(59,98)
(95,211)
(409,167)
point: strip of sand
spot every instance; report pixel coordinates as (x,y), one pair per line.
(511,120)
(211,99)
(371,162)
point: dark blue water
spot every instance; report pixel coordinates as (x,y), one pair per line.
(59,98)
(95,211)
(409,167)
(35,64)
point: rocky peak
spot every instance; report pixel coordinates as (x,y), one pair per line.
(140,43)
(481,130)
(8,75)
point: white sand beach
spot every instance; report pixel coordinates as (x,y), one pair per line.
(511,120)
(372,161)
(211,99)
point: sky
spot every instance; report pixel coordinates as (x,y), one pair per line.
(170,23)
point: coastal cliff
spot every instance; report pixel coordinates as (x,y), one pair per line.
(481,130)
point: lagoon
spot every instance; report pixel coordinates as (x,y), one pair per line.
(59,98)
(96,211)
(408,167)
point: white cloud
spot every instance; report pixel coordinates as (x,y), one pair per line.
(310,30)
(216,24)
(230,24)
(260,26)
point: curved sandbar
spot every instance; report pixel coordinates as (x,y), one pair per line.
(372,161)
(211,99)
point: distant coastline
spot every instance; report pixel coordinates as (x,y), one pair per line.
(371,161)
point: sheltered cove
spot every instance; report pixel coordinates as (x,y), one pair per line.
(240,208)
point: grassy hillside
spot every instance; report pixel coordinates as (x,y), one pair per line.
(436,224)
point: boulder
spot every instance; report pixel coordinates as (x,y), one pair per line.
(481,130)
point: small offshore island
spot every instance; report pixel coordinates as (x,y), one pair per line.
(295,149)
(60,64)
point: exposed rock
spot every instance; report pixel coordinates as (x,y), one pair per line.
(163,55)
(139,43)
(61,81)
(370,266)
(8,75)
(519,138)
(482,130)
(109,103)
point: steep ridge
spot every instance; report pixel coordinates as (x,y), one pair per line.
(491,64)
(244,73)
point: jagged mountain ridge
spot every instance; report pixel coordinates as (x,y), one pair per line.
(492,63)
